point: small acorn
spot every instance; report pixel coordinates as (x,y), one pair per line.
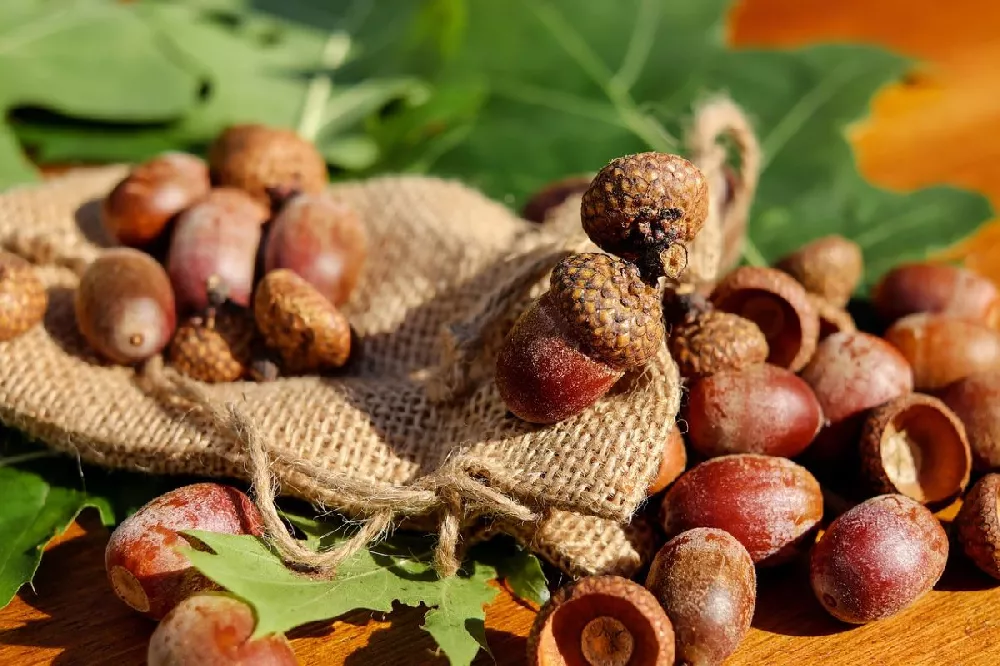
(323,240)
(23,299)
(268,163)
(645,208)
(830,267)
(598,320)
(140,207)
(715,342)
(215,347)
(125,306)
(308,332)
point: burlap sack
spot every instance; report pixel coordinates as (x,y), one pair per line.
(415,429)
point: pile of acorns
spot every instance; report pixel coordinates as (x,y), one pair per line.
(775,368)
(249,251)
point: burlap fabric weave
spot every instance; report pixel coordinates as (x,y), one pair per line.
(448,272)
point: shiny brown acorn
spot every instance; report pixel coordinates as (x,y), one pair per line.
(645,208)
(323,240)
(23,298)
(269,163)
(125,306)
(140,207)
(597,320)
(307,331)
(213,250)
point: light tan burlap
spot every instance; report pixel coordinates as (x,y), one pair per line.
(415,429)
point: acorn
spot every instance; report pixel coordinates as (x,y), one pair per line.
(125,306)
(23,299)
(215,347)
(830,267)
(268,163)
(307,331)
(715,342)
(213,250)
(597,321)
(645,208)
(140,207)
(323,240)
(552,195)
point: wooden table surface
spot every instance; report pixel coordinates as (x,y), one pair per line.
(938,127)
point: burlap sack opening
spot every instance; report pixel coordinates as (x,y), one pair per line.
(416,427)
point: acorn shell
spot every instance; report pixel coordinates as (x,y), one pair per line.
(307,331)
(779,306)
(266,162)
(715,342)
(23,299)
(641,188)
(915,446)
(611,312)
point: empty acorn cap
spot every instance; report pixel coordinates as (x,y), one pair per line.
(601,621)
(779,306)
(610,311)
(915,446)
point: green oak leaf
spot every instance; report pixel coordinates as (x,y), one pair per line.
(84,58)
(516,565)
(372,580)
(605,79)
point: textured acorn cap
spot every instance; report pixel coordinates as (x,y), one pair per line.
(216,348)
(643,200)
(915,446)
(601,621)
(307,331)
(830,267)
(614,315)
(266,162)
(978,524)
(779,306)
(717,341)
(832,319)
(23,298)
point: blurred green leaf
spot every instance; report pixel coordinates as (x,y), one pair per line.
(606,79)
(84,58)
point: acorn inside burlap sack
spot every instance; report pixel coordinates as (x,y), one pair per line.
(416,429)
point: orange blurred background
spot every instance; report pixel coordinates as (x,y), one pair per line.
(942,124)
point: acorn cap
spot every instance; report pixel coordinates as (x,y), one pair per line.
(915,446)
(601,621)
(717,341)
(216,348)
(23,299)
(641,205)
(779,306)
(267,162)
(307,331)
(830,267)
(978,524)
(832,319)
(547,199)
(613,315)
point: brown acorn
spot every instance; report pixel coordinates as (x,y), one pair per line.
(547,199)
(978,524)
(830,267)
(715,342)
(598,320)
(645,208)
(308,332)
(267,162)
(216,347)
(23,299)
(139,207)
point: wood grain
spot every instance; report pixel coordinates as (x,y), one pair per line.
(938,126)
